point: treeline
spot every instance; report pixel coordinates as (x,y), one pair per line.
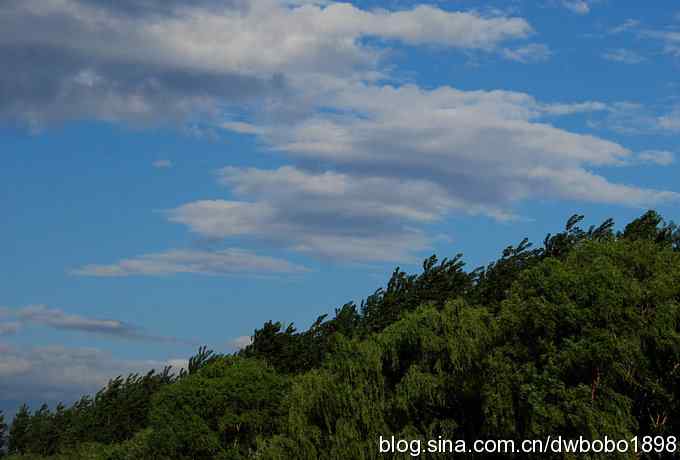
(577,337)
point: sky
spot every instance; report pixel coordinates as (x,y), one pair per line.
(175,174)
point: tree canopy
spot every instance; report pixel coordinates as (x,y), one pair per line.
(577,337)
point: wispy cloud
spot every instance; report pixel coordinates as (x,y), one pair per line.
(670,38)
(627,25)
(13,319)
(634,118)
(218,263)
(671,121)
(624,56)
(9,328)
(577,6)
(658,157)
(241,127)
(533,52)
(162,164)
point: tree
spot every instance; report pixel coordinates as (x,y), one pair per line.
(44,432)
(219,411)
(585,343)
(578,337)
(19,431)
(3,433)
(281,347)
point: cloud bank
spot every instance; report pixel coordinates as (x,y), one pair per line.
(374,164)
(174,61)
(54,374)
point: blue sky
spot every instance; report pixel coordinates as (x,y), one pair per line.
(174,176)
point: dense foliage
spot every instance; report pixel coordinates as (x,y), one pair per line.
(3,433)
(579,337)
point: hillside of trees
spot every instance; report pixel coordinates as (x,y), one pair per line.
(579,336)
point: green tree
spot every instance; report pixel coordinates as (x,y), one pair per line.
(3,434)
(19,431)
(577,337)
(219,411)
(585,343)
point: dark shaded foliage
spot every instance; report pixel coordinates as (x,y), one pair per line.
(578,337)
(19,431)
(218,411)
(3,434)
(116,413)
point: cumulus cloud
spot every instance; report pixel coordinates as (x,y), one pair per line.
(584,185)
(55,374)
(376,164)
(223,262)
(373,164)
(624,56)
(12,319)
(441,126)
(173,61)
(327,214)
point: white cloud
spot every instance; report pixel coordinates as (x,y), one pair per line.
(302,229)
(374,164)
(326,214)
(241,127)
(178,364)
(12,319)
(58,319)
(577,6)
(55,374)
(177,60)
(162,164)
(624,56)
(585,186)
(532,52)
(659,157)
(444,127)
(11,366)
(222,262)
(9,328)
(575,108)
(670,122)
(670,39)
(633,118)
(240,342)
(628,24)
(224,42)
(377,164)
